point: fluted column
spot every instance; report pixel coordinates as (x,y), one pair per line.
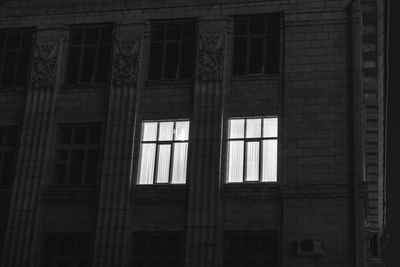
(24,209)
(204,173)
(112,218)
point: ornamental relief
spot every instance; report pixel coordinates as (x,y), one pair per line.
(45,66)
(125,64)
(211,58)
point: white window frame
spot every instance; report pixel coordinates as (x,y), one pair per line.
(246,141)
(158,143)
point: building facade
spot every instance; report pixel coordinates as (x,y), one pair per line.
(192,133)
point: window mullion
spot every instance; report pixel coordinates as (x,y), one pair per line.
(244,179)
(260,152)
(96,58)
(156,155)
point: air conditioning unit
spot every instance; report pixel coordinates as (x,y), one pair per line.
(309,247)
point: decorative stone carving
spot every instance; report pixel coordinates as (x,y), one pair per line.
(45,66)
(126,64)
(211,58)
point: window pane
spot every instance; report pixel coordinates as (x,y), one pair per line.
(173,31)
(272,55)
(270,127)
(61,172)
(164,153)
(149,131)
(179,163)
(76,166)
(182,130)
(239,56)
(23,66)
(273,25)
(240,26)
(91,36)
(156,60)
(166,131)
(9,68)
(76,37)
(80,135)
(103,64)
(187,59)
(88,64)
(257,26)
(235,161)
(157,32)
(147,163)
(91,166)
(236,129)
(256,55)
(171,60)
(106,35)
(253,128)
(73,65)
(189,30)
(12,137)
(95,134)
(65,135)
(13,40)
(270,156)
(27,39)
(252,161)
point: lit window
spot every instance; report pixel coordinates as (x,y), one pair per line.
(89,54)
(15,54)
(256,44)
(164,149)
(78,154)
(252,150)
(172,49)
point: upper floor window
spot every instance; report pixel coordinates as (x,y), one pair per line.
(89,54)
(66,249)
(15,54)
(158,249)
(256,45)
(78,154)
(163,153)
(172,49)
(252,150)
(8,147)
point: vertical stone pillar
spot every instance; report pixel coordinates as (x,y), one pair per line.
(112,218)
(205,156)
(39,111)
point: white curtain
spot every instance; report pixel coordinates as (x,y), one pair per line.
(252,161)
(270,127)
(166,130)
(253,128)
(147,163)
(270,160)
(149,131)
(236,129)
(235,161)
(182,130)
(164,152)
(179,163)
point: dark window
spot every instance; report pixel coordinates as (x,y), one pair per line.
(250,249)
(158,249)
(77,154)
(89,54)
(66,249)
(8,149)
(15,54)
(256,45)
(172,49)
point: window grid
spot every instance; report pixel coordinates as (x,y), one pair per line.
(15,55)
(158,143)
(164,42)
(8,147)
(246,141)
(77,161)
(79,48)
(264,54)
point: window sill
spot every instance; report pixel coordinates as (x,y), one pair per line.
(159,193)
(83,86)
(250,191)
(183,82)
(70,193)
(254,77)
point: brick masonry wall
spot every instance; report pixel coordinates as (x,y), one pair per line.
(311,98)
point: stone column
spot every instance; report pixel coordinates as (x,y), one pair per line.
(22,225)
(112,218)
(206,135)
